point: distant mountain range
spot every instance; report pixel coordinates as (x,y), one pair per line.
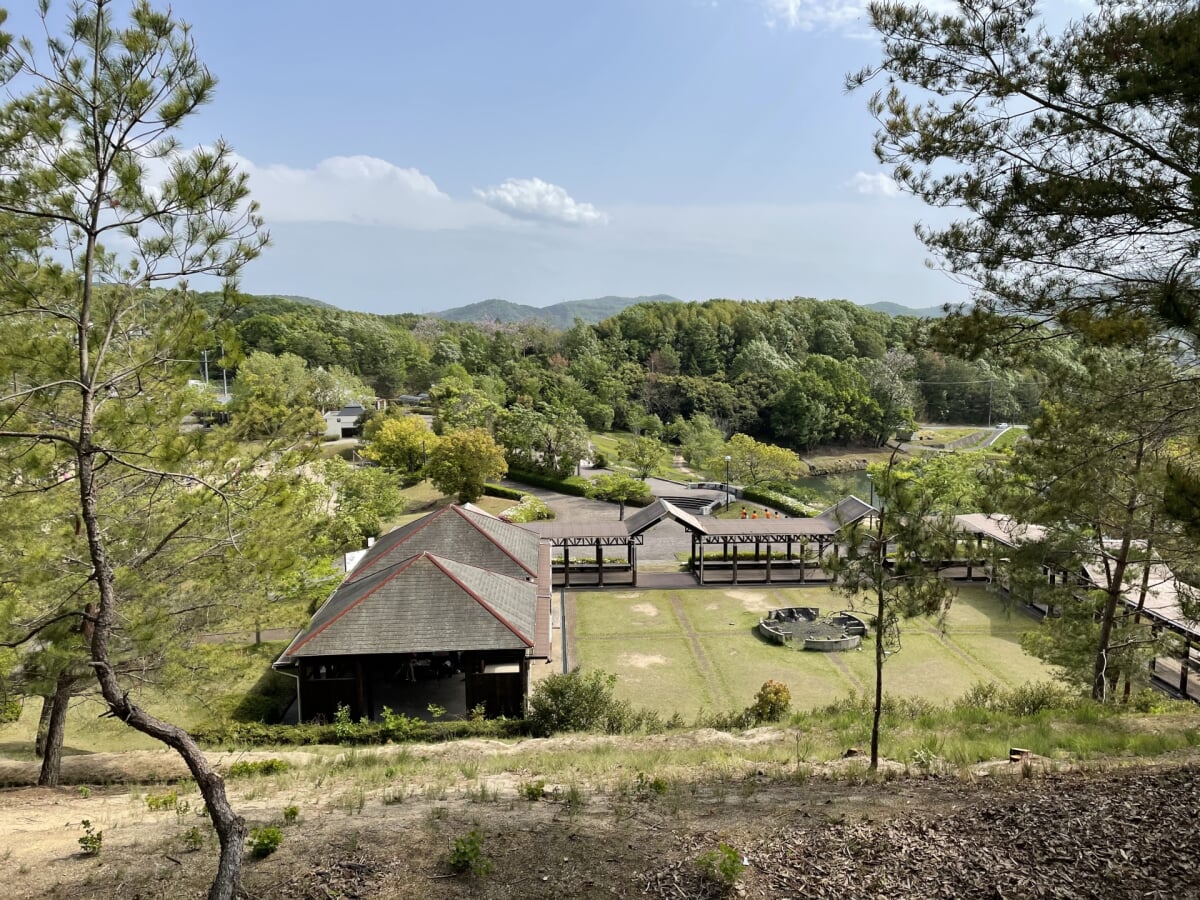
(563,315)
(895,309)
(597,309)
(559,315)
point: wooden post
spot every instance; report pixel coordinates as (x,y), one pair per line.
(768,563)
(599,565)
(1183,668)
(566,565)
(735,550)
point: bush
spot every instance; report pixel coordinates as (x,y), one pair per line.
(771,703)
(530,509)
(466,855)
(397,728)
(578,702)
(160,802)
(571,702)
(245,768)
(600,461)
(92,841)
(793,508)
(505,493)
(265,841)
(572,485)
(723,867)
(291,814)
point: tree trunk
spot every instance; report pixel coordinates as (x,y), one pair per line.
(1100,675)
(230,827)
(39,742)
(879,660)
(56,728)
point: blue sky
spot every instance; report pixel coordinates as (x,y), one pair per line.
(415,156)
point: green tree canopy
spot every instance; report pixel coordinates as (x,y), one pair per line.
(464,461)
(1072,156)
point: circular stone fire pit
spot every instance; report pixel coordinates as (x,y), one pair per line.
(805,628)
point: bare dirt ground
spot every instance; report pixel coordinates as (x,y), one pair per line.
(1000,831)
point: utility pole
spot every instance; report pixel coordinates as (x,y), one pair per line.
(204,353)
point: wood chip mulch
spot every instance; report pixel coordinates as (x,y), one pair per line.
(1105,836)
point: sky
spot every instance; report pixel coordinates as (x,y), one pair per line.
(418,155)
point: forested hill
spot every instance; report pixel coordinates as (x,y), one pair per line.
(559,315)
(895,309)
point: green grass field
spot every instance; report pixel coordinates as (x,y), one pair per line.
(692,650)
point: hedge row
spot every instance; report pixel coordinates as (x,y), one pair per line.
(572,484)
(793,508)
(504,493)
(230,735)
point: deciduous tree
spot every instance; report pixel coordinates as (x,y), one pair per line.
(464,461)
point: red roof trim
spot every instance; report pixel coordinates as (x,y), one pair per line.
(474,596)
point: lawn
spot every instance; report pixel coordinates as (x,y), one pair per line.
(224,674)
(687,650)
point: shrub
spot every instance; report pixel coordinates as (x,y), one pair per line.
(291,814)
(466,855)
(723,866)
(265,841)
(532,790)
(505,493)
(530,509)
(92,840)
(600,461)
(159,802)
(793,508)
(193,839)
(571,702)
(771,703)
(10,711)
(245,768)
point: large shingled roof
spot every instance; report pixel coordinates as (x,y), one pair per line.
(455,533)
(421,605)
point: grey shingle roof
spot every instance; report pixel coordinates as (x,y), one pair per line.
(456,533)
(422,605)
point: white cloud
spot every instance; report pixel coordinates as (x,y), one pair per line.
(362,190)
(808,15)
(875,183)
(532,198)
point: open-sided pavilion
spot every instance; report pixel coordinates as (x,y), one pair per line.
(748,546)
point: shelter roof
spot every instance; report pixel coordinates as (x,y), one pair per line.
(1166,596)
(423,604)
(848,510)
(454,532)
(1002,529)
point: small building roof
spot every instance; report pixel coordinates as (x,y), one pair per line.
(424,604)
(349,411)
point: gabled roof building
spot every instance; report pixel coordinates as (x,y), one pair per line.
(449,609)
